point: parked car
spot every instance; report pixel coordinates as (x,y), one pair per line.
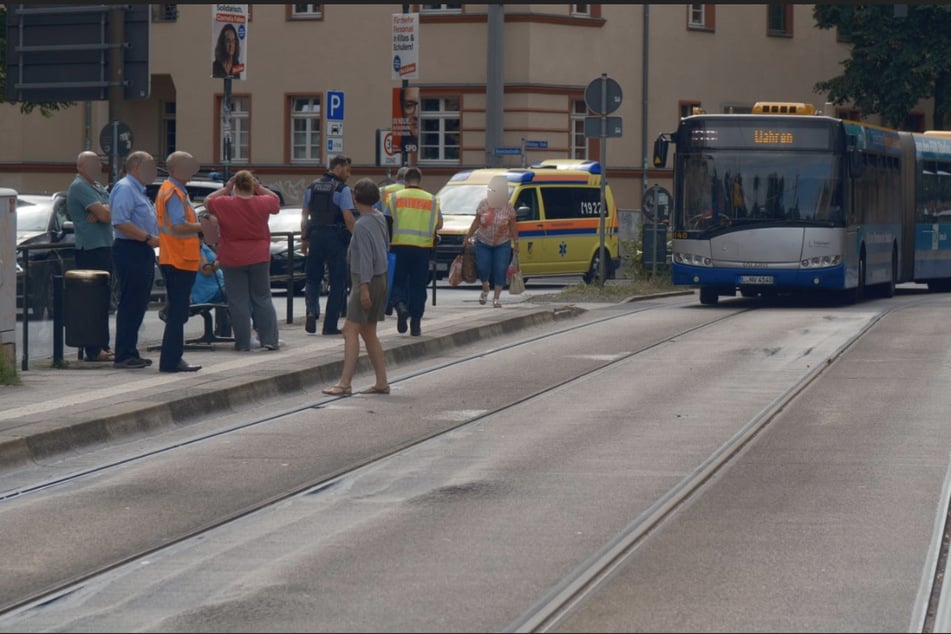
(42,219)
(282,223)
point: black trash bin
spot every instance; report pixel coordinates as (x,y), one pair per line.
(86,296)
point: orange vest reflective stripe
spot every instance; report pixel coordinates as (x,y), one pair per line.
(180,251)
(415,213)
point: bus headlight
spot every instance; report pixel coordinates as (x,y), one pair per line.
(820,261)
(691,259)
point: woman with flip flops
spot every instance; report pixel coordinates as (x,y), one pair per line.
(367,258)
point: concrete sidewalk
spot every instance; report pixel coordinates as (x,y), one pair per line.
(55,410)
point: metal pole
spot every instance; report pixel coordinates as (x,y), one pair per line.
(116,96)
(495,83)
(226,128)
(604,176)
(404,156)
(26,310)
(644,94)
(655,224)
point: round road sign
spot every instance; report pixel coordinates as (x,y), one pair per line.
(603,95)
(120,134)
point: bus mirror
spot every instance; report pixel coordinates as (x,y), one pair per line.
(856,164)
(660,151)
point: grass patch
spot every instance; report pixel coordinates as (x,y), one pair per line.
(8,369)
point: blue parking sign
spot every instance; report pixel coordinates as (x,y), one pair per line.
(335,105)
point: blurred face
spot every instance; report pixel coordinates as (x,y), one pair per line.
(145,172)
(231,41)
(498,191)
(89,166)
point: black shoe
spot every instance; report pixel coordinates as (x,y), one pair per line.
(414,329)
(130,362)
(332,331)
(182,367)
(388,311)
(401,314)
(311,324)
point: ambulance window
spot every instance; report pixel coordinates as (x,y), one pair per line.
(528,198)
(563,203)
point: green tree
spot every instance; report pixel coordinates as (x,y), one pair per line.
(895,61)
(46,108)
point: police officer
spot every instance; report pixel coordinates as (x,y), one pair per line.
(327,219)
(385,193)
(416,218)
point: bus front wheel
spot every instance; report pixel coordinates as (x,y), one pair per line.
(709,296)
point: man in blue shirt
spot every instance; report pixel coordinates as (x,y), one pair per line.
(87,203)
(136,231)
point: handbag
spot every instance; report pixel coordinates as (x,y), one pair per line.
(455,272)
(469,274)
(517,283)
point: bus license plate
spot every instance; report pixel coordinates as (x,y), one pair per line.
(756,279)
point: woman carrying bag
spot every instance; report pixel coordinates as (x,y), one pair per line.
(496,237)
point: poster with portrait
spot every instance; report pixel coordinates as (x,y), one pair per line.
(405,124)
(229,41)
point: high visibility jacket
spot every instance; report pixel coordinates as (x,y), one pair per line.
(388,191)
(180,251)
(415,214)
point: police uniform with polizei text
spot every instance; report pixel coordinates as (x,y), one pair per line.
(328,239)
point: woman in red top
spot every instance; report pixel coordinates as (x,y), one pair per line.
(242,208)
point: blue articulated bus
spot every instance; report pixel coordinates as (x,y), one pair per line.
(785,200)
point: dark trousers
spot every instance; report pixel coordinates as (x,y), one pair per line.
(135,272)
(327,246)
(99,259)
(178,290)
(411,278)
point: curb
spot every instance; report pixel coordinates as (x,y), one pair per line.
(122,420)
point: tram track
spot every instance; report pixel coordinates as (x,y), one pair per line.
(558,605)
(584,582)
(65,587)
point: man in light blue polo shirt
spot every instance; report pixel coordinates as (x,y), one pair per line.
(136,229)
(87,203)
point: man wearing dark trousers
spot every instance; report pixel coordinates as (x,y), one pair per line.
(87,203)
(416,219)
(179,256)
(136,230)
(327,219)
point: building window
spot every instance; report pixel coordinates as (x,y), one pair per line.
(779,20)
(308,11)
(440,8)
(581,10)
(701,17)
(688,108)
(164,12)
(579,144)
(305,129)
(914,122)
(240,129)
(440,139)
(168,128)
(849,114)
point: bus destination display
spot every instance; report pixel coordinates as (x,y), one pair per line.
(711,134)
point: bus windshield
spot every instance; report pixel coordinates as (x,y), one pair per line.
(725,188)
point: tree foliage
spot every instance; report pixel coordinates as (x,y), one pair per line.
(895,61)
(46,108)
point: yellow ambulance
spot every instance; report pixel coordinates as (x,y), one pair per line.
(558,206)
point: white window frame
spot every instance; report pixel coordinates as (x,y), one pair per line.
(578,143)
(240,130)
(310,10)
(311,120)
(697,15)
(444,7)
(441,116)
(581,10)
